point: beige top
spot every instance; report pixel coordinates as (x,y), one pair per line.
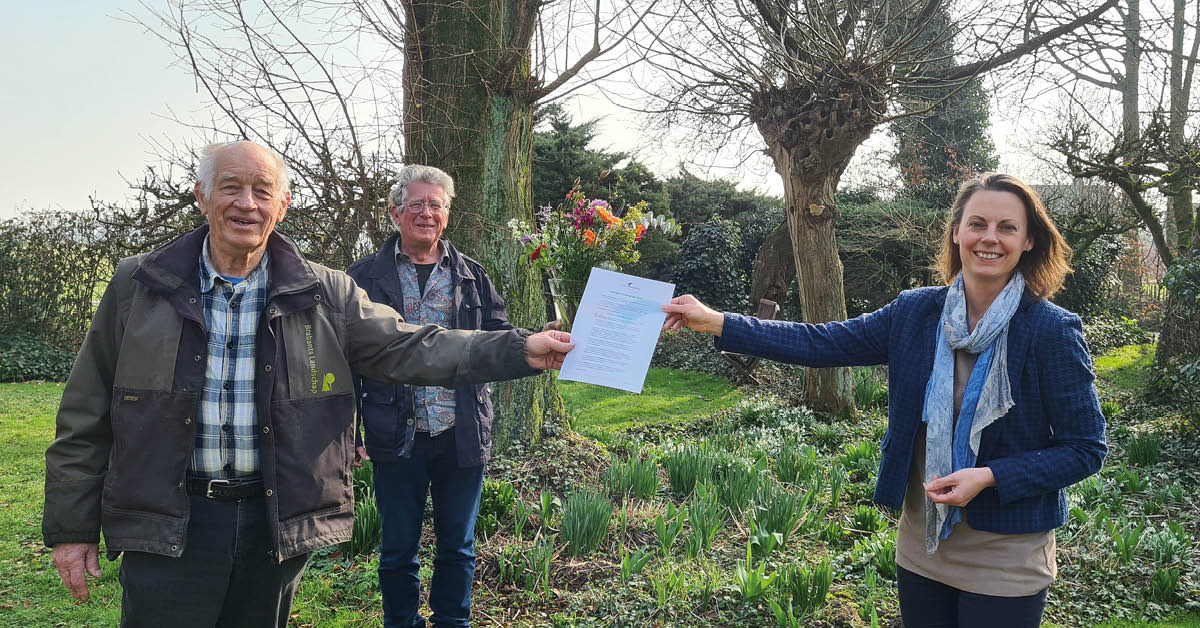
(1005,565)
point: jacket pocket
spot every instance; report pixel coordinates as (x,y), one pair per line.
(313,441)
(381,414)
(153,433)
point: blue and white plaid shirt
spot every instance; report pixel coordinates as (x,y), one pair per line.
(227,434)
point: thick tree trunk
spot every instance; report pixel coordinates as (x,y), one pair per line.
(774,268)
(811,131)
(465,112)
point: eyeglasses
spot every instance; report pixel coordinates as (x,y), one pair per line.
(416,207)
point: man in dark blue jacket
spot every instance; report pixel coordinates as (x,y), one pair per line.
(427,440)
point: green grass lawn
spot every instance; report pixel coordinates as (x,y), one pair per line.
(1124,368)
(30,591)
(669,396)
(336,592)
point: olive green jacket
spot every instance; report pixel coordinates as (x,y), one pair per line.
(126,424)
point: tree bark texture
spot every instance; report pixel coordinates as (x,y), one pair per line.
(774,268)
(466,111)
(812,130)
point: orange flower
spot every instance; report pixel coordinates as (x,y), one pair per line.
(589,237)
(607,216)
(638,232)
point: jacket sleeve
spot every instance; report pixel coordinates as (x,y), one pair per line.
(859,341)
(1069,402)
(77,460)
(380,345)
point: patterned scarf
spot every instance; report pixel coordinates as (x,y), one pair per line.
(987,396)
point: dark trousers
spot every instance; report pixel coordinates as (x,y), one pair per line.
(926,603)
(401,487)
(228,576)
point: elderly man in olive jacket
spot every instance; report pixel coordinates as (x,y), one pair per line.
(207,427)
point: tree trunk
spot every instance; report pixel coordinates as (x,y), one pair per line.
(811,131)
(465,111)
(774,268)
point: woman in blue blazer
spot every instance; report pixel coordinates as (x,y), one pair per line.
(992,410)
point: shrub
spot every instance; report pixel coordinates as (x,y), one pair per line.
(25,357)
(1107,332)
(585,520)
(708,265)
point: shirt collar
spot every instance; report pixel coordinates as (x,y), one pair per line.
(209,274)
(402,257)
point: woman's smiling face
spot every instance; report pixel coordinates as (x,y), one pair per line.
(992,235)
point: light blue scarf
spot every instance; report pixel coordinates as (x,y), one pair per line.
(987,395)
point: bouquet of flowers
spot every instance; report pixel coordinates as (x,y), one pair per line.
(579,234)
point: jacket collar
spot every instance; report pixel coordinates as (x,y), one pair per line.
(383,268)
(174,267)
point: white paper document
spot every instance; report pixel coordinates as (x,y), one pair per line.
(615,330)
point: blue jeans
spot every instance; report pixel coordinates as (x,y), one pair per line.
(228,575)
(401,486)
(926,603)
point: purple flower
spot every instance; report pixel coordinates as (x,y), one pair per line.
(599,203)
(525,239)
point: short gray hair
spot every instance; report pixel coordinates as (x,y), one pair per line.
(425,174)
(206,168)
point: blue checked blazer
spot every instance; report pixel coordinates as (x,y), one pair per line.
(1051,438)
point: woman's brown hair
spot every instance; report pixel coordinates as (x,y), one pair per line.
(1045,266)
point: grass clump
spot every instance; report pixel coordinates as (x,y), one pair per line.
(585,520)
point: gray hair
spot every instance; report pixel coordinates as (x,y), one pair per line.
(425,174)
(206,168)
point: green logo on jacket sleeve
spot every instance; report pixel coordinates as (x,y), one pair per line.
(327,385)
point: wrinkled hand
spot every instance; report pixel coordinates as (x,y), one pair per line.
(688,311)
(546,349)
(553,325)
(71,559)
(960,487)
(360,454)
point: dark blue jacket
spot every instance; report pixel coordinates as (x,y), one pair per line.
(387,411)
(1051,438)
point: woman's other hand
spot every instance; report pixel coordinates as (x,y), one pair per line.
(688,311)
(960,487)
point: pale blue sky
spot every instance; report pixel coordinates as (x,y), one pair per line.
(83,89)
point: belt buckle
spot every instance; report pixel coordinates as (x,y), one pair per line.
(208,493)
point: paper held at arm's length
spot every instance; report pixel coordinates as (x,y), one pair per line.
(615,330)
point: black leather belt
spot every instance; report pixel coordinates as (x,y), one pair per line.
(224,490)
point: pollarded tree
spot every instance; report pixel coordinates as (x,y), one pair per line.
(815,79)
(330,85)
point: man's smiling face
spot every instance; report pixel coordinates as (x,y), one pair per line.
(243,203)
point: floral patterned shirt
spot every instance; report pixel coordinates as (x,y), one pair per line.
(434,404)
